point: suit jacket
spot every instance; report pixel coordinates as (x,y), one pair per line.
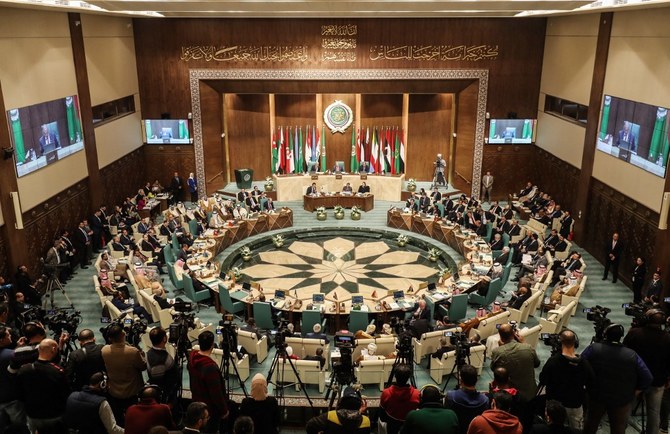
(53,257)
(424,202)
(96,223)
(241,196)
(565,226)
(532,246)
(561,246)
(347,189)
(638,274)
(53,140)
(497,245)
(364,189)
(514,230)
(502,259)
(573,264)
(269,206)
(654,289)
(497,210)
(436,196)
(481,230)
(616,250)
(508,214)
(80,238)
(118,247)
(313,190)
(551,241)
(252,203)
(176,184)
(142,228)
(146,246)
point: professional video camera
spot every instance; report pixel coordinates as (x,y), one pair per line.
(462,344)
(63,319)
(282,333)
(552,340)
(182,322)
(637,311)
(344,368)
(35,314)
(134,329)
(227,332)
(598,315)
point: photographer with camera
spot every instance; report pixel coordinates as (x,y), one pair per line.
(348,418)
(85,361)
(207,383)
(440,164)
(620,375)
(162,369)
(520,360)
(44,389)
(652,344)
(125,365)
(568,365)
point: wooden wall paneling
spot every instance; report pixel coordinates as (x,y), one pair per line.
(381,111)
(429,124)
(511,166)
(9,235)
(123,178)
(611,211)
(592,125)
(338,145)
(44,222)
(553,175)
(464,143)
(84,91)
(211,106)
(249,136)
(4,260)
(163,160)
(515,71)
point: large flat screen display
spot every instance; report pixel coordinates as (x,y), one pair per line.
(512,131)
(44,133)
(636,133)
(166,131)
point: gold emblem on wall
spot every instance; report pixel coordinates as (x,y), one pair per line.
(338,117)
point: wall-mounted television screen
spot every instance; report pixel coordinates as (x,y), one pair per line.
(512,131)
(166,131)
(635,132)
(44,133)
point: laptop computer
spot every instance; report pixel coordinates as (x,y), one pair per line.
(279,300)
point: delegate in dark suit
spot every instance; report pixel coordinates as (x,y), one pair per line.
(613,249)
(176,185)
(639,272)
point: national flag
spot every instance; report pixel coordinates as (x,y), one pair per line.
(308,147)
(291,163)
(402,151)
(282,151)
(387,151)
(527,130)
(659,135)
(396,153)
(366,148)
(323,149)
(361,146)
(606,117)
(183,129)
(392,149)
(374,153)
(73,124)
(353,167)
(316,150)
(147,126)
(296,151)
(301,155)
(19,149)
(275,153)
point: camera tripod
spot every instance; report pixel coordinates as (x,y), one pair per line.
(279,380)
(407,358)
(227,359)
(52,284)
(460,362)
(339,380)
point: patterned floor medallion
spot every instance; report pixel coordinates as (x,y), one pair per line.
(355,266)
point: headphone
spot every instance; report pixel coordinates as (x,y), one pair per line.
(651,313)
(611,327)
(429,386)
(561,334)
(148,386)
(103,383)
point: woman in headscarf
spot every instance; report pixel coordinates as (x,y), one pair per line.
(261,408)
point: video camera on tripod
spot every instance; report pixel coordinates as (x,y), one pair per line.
(598,316)
(134,329)
(344,368)
(62,320)
(282,333)
(227,333)
(639,312)
(182,322)
(460,341)
(552,340)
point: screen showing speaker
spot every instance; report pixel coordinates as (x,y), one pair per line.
(635,132)
(512,131)
(166,131)
(45,133)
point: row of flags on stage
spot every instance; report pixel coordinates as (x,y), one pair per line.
(373,150)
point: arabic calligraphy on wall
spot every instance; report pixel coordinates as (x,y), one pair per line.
(473,53)
(343,30)
(242,53)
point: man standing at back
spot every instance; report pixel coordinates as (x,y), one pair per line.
(398,399)
(520,360)
(206,381)
(466,401)
(620,376)
(498,420)
(124,370)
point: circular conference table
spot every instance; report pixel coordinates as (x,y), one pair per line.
(381,302)
(362,201)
